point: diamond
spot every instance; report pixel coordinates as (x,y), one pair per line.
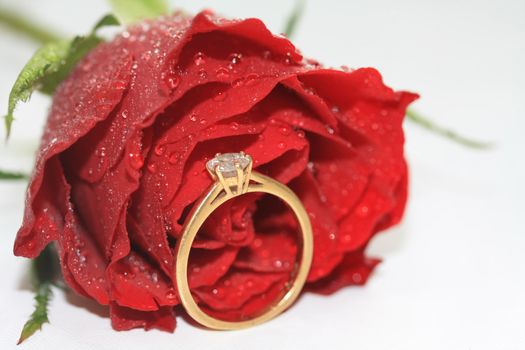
(226,163)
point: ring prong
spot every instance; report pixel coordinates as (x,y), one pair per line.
(240,178)
(247,177)
(222,181)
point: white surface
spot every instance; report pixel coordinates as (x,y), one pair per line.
(453,275)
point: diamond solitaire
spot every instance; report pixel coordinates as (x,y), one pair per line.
(227,162)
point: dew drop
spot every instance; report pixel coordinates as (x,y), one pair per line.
(193,117)
(251,79)
(218,292)
(284,130)
(363,211)
(238,82)
(173,158)
(119,85)
(221,96)
(152,168)
(203,74)
(281,145)
(222,73)
(101,152)
(172,81)
(159,150)
(235,58)
(199,59)
(124,114)
(171,295)
(136,160)
(129,275)
(329,129)
(288,58)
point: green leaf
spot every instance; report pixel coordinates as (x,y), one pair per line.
(447,133)
(131,11)
(44,272)
(294,18)
(79,47)
(39,315)
(46,61)
(107,20)
(50,65)
(8,175)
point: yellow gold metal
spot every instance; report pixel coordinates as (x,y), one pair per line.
(223,182)
(240,179)
(248,176)
(218,194)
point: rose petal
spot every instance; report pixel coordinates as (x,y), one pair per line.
(236,288)
(353,270)
(123,318)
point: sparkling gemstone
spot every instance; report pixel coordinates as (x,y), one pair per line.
(226,163)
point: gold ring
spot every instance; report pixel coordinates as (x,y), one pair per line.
(233,177)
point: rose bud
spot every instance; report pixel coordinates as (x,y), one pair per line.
(123,157)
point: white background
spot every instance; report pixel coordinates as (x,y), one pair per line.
(453,275)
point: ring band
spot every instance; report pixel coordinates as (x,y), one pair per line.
(233,177)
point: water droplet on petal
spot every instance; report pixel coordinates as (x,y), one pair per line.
(136,160)
(172,81)
(101,152)
(193,117)
(119,85)
(203,74)
(171,295)
(199,59)
(284,130)
(238,82)
(159,150)
(251,79)
(222,73)
(235,58)
(152,168)
(281,145)
(174,158)
(221,96)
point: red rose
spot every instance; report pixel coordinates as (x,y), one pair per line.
(123,158)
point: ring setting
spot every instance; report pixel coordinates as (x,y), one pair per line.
(234,177)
